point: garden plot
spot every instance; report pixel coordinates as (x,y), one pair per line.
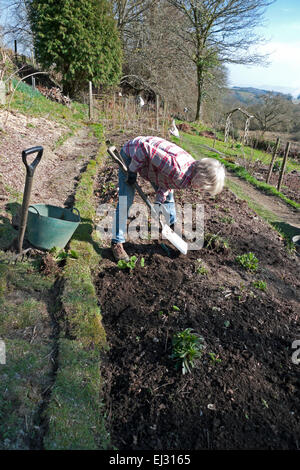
(243,392)
(290,184)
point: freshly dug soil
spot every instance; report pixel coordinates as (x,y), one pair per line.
(245,395)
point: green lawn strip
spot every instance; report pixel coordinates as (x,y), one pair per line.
(190,144)
(22,381)
(75,412)
(237,149)
(7,232)
(24,321)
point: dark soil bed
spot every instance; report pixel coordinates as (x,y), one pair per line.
(243,396)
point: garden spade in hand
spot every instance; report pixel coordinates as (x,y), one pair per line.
(167,232)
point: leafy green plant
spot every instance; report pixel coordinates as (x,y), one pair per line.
(290,246)
(187,348)
(276,167)
(176,309)
(262,285)
(264,403)
(200,269)
(107,187)
(122,264)
(226,219)
(248,261)
(216,243)
(214,358)
(62,254)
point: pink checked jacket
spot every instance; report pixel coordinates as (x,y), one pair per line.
(161,162)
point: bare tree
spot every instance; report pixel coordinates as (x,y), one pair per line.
(273,112)
(129,13)
(15,23)
(219,31)
(153,62)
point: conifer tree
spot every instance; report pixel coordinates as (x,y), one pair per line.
(79,38)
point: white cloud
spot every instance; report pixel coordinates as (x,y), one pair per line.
(283,73)
(283,53)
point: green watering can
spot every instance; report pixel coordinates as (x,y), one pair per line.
(46,226)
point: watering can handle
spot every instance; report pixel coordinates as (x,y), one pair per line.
(74,209)
(32,166)
(32,207)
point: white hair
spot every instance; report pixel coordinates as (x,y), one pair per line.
(209,175)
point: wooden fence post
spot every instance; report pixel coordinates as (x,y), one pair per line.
(157,111)
(164,119)
(284,161)
(91,109)
(273,160)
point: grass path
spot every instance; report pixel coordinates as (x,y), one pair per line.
(280,215)
(267,206)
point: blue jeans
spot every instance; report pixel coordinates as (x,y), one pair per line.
(126,196)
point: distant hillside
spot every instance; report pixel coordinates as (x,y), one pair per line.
(250,95)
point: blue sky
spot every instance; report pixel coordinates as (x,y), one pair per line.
(282,29)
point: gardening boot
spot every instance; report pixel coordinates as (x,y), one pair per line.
(119,252)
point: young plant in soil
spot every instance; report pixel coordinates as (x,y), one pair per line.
(248,261)
(262,285)
(216,243)
(200,269)
(214,358)
(54,260)
(122,264)
(107,187)
(187,348)
(226,219)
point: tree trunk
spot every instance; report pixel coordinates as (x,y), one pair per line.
(200,92)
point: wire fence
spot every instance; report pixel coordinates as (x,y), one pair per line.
(120,113)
